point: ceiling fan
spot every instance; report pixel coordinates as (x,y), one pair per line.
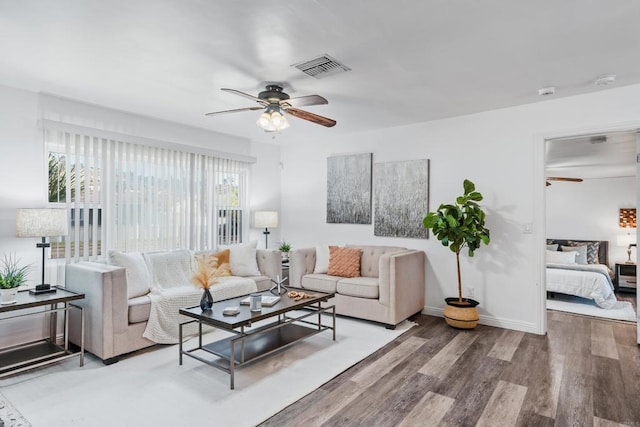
(275,102)
(562,178)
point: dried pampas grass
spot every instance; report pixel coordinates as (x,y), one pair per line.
(208,273)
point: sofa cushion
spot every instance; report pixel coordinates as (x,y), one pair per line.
(138,277)
(139,309)
(361,287)
(319,282)
(170,269)
(242,259)
(344,262)
(370,260)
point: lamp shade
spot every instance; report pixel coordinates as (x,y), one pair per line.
(43,222)
(625,240)
(265,219)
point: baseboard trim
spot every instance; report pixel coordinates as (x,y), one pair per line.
(498,322)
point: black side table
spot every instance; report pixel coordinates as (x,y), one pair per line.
(42,352)
(626,277)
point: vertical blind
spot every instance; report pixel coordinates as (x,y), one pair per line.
(131,197)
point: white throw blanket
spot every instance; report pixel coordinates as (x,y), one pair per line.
(164,318)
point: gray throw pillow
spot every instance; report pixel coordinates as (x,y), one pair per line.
(592,250)
(553,247)
(581,258)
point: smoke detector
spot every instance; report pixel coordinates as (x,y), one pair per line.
(605,80)
(546,91)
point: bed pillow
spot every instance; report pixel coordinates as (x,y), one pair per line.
(557,257)
(581,258)
(592,250)
(553,247)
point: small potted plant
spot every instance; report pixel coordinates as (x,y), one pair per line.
(284,248)
(457,226)
(12,276)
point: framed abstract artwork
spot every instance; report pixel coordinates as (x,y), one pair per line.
(401,198)
(349,189)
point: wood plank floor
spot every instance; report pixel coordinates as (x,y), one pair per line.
(584,372)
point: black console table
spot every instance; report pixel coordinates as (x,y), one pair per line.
(48,350)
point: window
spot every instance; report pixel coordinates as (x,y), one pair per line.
(134,197)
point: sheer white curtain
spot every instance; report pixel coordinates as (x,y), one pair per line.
(132,197)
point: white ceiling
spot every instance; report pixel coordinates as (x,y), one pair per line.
(411,60)
(604,155)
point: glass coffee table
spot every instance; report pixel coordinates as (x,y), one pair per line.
(250,343)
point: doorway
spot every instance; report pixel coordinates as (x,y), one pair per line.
(584,207)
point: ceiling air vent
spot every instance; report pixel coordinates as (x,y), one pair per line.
(321,67)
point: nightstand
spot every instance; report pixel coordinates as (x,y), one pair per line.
(625,277)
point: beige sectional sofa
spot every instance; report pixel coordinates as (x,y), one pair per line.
(117,309)
(391,286)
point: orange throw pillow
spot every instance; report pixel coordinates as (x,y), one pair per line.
(344,262)
(223,257)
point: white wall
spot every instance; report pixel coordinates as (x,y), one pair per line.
(589,211)
(494,149)
(265,190)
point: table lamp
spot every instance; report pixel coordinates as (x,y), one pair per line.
(266,220)
(42,223)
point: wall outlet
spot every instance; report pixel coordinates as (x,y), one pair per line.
(470,292)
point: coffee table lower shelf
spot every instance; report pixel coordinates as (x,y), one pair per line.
(248,346)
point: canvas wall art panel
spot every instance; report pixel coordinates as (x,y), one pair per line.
(401,198)
(349,189)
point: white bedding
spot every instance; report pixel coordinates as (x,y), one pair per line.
(593,283)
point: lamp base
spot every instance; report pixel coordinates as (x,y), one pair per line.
(42,289)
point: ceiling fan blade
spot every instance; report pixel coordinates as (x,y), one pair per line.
(305,115)
(234,111)
(562,178)
(246,95)
(303,101)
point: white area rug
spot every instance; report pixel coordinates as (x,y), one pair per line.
(151,389)
(9,416)
(623,310)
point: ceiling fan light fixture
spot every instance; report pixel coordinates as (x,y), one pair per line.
(272,120)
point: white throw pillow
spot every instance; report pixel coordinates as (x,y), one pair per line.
(242,259)
(138,277)
(170,269)
(322,259)
(557,257)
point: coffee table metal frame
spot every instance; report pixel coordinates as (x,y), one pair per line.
(249,344)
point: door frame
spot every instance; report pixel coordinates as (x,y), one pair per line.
(540,203)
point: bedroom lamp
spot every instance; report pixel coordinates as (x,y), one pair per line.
(42,223)
(627,241)
(266,220)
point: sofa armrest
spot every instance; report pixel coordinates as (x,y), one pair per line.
(105,304)
(402,283)
(301,262)
(269,262)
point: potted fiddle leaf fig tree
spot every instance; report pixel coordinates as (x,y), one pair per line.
(460,225)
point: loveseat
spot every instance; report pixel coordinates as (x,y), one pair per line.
(388,284)
(118,292)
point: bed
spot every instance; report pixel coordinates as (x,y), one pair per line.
(590,278)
